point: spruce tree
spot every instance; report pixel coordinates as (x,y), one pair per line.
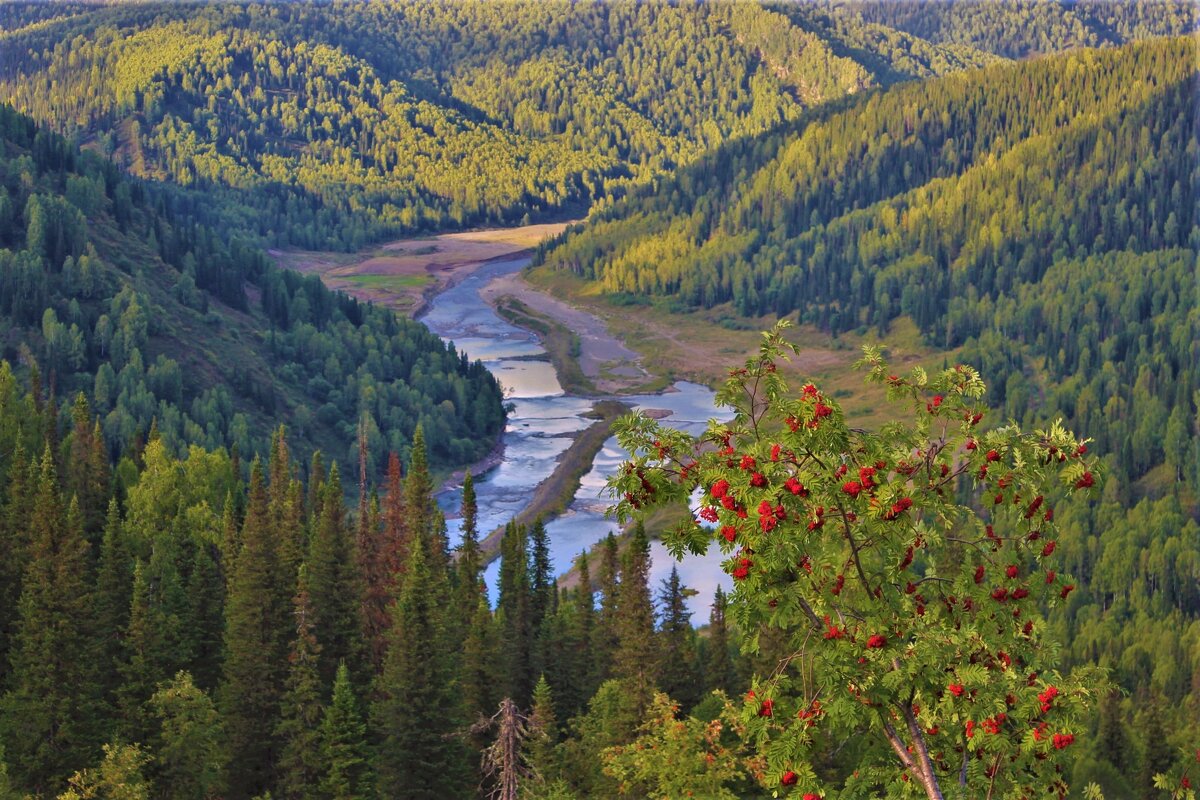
(145,650)
(344,744)
(298,731)
(335,585)
(418,712)
(478,674)
(86,475)
(677,645)
(395,522)
(541,575)
(231,537)
(114,586)
(49,712)
(543,733)
(468,566)
(375,579)
(719,673)
(389,554)
(419,504)
(256,625)
(14,533)
(513,616)
(604,632)
(635,661)
(316,480)
(205,626)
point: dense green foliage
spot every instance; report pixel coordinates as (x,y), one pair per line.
(1040,220)
(107,287)
(215,632)
(1026,28)
(327,126)
(169,629)
(1040,215)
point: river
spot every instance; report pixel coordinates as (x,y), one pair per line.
(540,428)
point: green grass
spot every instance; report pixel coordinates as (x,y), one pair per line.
(376,281)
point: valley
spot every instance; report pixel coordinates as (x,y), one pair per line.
(548,400)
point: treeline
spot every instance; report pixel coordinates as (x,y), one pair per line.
(329,126)
(170,629)
(111,287)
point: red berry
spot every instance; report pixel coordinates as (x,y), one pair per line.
(992,455)
(789,778)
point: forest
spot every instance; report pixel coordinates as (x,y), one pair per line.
(107,288)
(198,602)
(202,635)
(330,126)
(1037,221)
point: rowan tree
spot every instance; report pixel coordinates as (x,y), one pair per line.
(908,569)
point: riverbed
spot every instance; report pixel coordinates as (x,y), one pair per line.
(540,428)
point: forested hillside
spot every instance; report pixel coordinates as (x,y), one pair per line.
(1039,220)
(204,636)
(1028,28)
(330,126)
(106,289)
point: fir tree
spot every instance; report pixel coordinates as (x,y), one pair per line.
(114,584)
(335,585)
(256,615)
(478,669)
(604,632)
(14,533)
(49,712)
(677,650)
(380,577)
(513,615)
(419,504)
(1112,740)
(300,757)
(719,673)
(635,662)
(541,575)
(468,567)
(87,471)
(206,614)
(418,710)
(543,733)
(231,537)
(316,480)
(375,579)
(343,744)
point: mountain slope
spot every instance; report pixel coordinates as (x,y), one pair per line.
(326,126)
(105,288)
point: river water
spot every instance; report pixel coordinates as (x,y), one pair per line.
(540,428)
